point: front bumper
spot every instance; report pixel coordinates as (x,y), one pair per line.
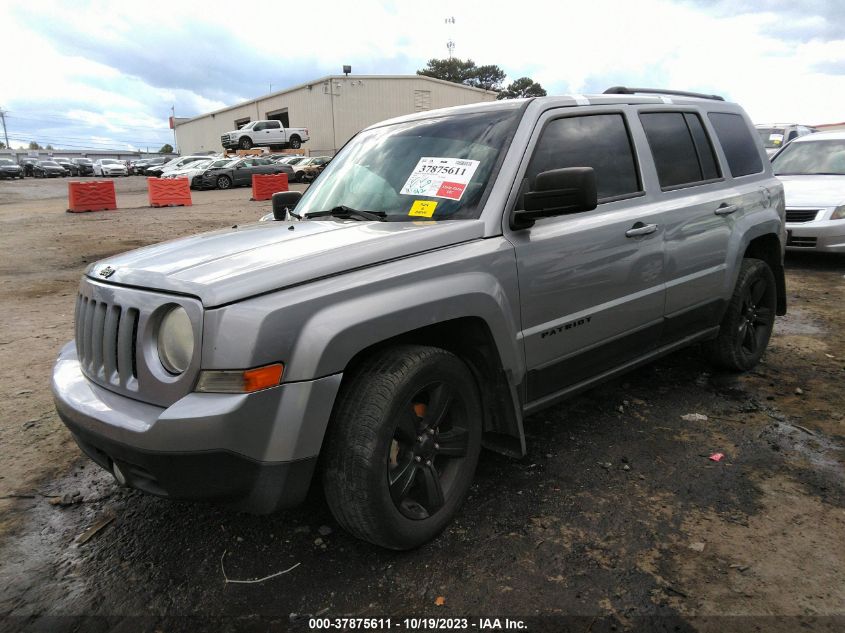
(827,236)
(256,452)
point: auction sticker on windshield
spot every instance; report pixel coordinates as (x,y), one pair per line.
(440,177)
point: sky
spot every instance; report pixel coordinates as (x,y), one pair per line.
(80,74)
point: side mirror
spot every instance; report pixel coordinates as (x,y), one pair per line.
(557,192)
(283,201)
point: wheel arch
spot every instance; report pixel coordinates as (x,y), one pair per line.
(471,340)
(768,248)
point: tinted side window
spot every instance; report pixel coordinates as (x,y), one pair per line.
(599,141)
(273,125)
(682,152)
(737,143)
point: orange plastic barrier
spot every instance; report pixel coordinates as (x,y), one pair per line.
(265,185)
(91,195)
(169,192)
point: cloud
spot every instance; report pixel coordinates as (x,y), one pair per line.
(112,70)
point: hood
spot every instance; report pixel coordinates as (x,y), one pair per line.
(225,266)
(813,191)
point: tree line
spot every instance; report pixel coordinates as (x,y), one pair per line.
(487,77)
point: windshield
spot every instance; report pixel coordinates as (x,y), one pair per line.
(222,162)
(108,161)
(49,163)
(83,161)
(772,137)
(811,157)
(432,168)
(6,161)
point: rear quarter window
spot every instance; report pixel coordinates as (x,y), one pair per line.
(737,143)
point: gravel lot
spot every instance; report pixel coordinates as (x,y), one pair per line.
(616,519)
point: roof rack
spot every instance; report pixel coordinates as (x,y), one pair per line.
(622,90)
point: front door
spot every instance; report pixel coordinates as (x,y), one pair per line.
(591,284)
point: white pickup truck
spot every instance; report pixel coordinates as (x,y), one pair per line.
(265,133)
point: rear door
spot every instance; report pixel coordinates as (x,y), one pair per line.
(705,207)
(591,284)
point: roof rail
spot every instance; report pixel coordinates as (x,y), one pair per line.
(622,90)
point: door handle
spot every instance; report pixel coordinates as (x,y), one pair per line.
(640,229)
(725,209)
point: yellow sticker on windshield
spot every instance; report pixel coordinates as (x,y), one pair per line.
(423,208)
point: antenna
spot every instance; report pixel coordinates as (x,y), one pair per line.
(450,45)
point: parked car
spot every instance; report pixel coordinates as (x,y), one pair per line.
(812,169)
(69,165)
(28,165)
(49,169)
(150,163)
(265,134)
(454,271)
(109,167)
(239,172)
(284,159)
(135,165)
(176,163)
(188,170)
(777,135)
(196,170)
(10,169)
(312,169)
(308,168)
(85,166)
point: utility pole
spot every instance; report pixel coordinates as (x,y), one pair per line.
(450,45)
(173,111)
(5,134)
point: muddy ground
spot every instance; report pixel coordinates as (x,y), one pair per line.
(615,520)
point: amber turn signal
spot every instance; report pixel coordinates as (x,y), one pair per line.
(240,381)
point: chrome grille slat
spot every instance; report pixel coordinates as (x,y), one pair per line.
(110,330)
(98,324)
(126,345)
(87,346)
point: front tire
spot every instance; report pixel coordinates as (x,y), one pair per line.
(224,182)
(245,142)
(749,318)
(403,445)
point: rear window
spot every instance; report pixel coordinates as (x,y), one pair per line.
(737,143)
(683,154)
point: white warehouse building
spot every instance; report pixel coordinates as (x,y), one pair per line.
(333,109)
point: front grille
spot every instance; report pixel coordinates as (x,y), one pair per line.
(224,139)
(803,242)
(801,215)
(106,338)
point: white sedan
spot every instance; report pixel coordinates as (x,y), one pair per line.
(812,169)
(110,167)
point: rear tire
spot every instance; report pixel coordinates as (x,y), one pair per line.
(749,319)
(295,142)
(403,445)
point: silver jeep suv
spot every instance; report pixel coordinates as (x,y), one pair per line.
(449,273)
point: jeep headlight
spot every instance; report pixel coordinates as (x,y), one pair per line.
(176,340)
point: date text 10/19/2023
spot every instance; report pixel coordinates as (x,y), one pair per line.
(417,624)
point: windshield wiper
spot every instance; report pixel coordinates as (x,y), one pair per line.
(349,213)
